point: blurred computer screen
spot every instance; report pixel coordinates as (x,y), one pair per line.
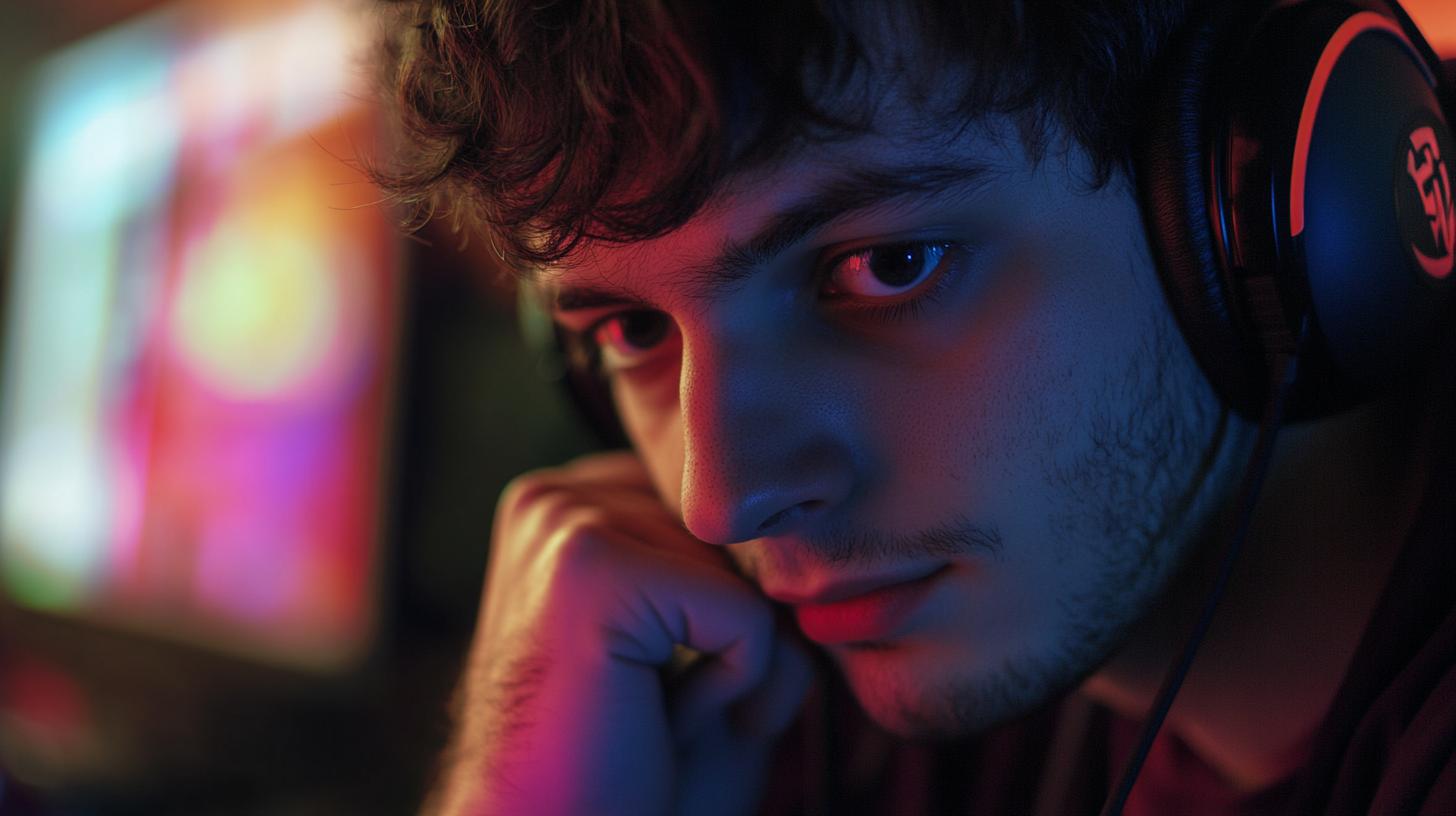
(200,335)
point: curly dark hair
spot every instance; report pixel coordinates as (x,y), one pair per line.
(546,122)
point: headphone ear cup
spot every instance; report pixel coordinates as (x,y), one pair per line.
(1273,174)
(1171,165)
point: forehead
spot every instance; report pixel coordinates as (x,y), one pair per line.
(906,108)
(916,155)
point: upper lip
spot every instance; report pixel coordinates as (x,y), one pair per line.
(847,588)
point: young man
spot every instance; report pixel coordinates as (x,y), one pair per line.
(910,416)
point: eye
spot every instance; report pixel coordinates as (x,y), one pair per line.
(630,338)
(884,271)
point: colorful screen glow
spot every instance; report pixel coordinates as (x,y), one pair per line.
(199,340)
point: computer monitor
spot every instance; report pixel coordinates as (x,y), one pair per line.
(199,339)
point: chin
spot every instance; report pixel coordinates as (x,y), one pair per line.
(914,703)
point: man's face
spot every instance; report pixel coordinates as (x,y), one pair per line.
(996,392)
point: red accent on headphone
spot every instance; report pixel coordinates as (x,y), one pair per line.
(1355,26)
(1427,170)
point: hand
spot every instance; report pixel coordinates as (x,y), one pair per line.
(565,706)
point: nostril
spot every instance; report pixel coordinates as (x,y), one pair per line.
(786,515)
(769,522)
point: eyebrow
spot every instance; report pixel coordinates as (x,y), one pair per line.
(852,192)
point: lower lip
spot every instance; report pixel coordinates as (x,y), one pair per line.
(871,616)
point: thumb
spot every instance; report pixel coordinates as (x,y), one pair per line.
(771,707)
(761,712)
(724,766)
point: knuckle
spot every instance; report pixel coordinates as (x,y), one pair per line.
(526,489)
(586,519)
(599,459)
(555,510)
(539,502)
(580,534)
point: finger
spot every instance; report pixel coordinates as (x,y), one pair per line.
(662,600)
(649,523)
(771,708)
(618,473)
(724,768)
(708,610)
(610,467)
(707,692)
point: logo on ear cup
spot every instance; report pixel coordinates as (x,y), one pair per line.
(1423,196)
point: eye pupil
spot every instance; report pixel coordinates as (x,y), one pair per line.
(643,329)
(897,265)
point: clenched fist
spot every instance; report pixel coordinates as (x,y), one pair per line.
(567,704)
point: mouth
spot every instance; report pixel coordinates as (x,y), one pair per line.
(865,609)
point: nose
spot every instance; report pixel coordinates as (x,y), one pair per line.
(761,455)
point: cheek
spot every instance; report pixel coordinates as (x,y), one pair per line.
(983,393)
(1006,393)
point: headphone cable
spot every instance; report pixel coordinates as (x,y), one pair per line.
(1286,366)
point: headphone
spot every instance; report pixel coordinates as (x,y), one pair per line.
(1294,165)
(1293,175)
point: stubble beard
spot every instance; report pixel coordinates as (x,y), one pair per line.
(1141,498)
